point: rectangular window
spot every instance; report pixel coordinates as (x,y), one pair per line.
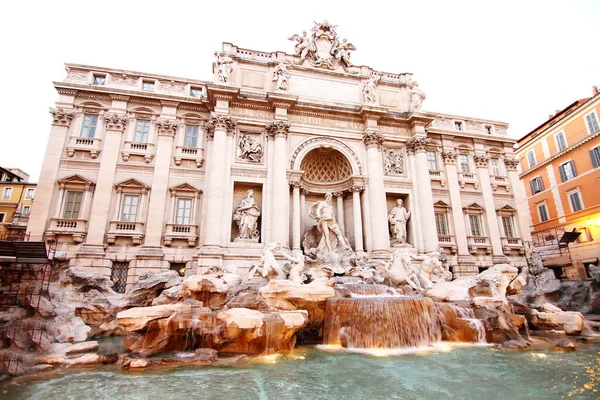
(88,128)
(464,163)
(575,200)
(191,136)
(7,193)
(2,216)
(118,276)
(30,193)
(441,224)
(72,205)
(595,156)
(130,208)
(592,122)
(458,126)
(196,92)
(184,211)
(99,80)
(475,222)
(141,131)
(148,86)
(26,210)
(509,229)
(567,171)
(531,158)
(432,161)
(561,141)
(536,184)
(496,169)
(543,212)
(489,130)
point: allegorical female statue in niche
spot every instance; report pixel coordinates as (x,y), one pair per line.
(246,217)
(398,218)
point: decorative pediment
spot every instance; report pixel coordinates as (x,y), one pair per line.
(76,181)
(132,183)
(184,189)
(441,204)
(494,153)
(474,208)
(463,149)
(506,210)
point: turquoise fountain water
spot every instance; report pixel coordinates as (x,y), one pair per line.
(310,373)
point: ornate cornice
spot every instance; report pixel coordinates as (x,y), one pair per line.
(67,92)
(60,117)
(278,129)
(481,161)
(119,97)
(115,122)
(167,127)
(449,156)
(511,163)
(167,103)
(219,122)
(373,139)
(417,144)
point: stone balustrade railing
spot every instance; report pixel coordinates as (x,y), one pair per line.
(181,231)
(91,145)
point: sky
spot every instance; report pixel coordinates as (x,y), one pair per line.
(512,61)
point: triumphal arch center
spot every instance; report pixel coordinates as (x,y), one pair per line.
(301,150)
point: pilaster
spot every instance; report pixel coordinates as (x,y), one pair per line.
(279,130)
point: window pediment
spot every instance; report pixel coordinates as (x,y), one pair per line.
(506,210)
(474,208)
(441,204)
(184,189)
(132,185)
(76,181)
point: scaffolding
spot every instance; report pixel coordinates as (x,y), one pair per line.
(553,247)
(25,274)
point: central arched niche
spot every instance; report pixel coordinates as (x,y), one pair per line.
(326,169)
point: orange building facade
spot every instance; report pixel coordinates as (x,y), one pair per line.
(560,164)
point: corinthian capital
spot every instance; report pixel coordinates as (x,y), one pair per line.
(219,122)
(449,156)
(511,163)
(167,127)
(61,117)
(481,161)
(115,122)
(418,144)
(278,128)
(373,139)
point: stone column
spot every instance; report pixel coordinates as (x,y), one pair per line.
(418,146)
(296,216)
(415,218)
(458,219)
(115,125)
(217,127)
(366,219)
(303,193)
(40,212)
(160,181)
(279,205)
(358,231)
(380,239)
(340,210)
(520,197)
(490,209)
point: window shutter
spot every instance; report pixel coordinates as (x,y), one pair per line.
(573,168)
(540,183)
(595,156)
(563,176)
(532,186)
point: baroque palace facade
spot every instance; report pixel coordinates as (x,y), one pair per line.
(146,172)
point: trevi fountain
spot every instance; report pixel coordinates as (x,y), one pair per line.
(325,318)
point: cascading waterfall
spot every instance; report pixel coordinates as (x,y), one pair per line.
(363,289)
(381,322)
(460,325)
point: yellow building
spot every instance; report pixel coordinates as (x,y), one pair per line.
(560,163)
(16,199)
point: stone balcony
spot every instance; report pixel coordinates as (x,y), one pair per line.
(468,178)
(181,232)
(189,153)
(84,144)
(77,228)
(448,242)
(510,244)
(479,242)
(438,176)
(499,181)
(141,150)
(133,230)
